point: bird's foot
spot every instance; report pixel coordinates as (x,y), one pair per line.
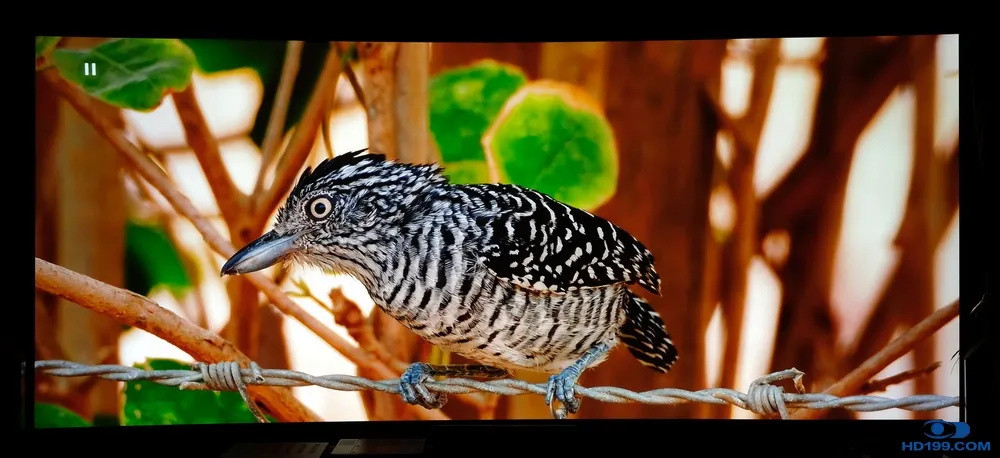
(562,386)
(413,391)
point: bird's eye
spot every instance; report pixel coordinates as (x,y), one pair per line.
(320,207)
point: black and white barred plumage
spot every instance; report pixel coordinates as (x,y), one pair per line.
(500,274)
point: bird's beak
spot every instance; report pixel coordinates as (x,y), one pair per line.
(264,252)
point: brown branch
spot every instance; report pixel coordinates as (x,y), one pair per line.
(301,143)
(135,310)
(156,177)
(875,386)
(206,149)
(852,382)
(279,112)
(347,314)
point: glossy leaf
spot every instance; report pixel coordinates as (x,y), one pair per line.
(134,73)
(463,103)
(56,416)
(148,403)
(151,260)
(552,137)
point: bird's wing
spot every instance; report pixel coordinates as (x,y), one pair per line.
(540,243)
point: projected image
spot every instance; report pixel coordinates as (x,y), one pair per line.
(241,231)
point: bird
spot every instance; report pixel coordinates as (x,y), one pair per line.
(501,274)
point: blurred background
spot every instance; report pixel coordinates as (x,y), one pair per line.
(799,195)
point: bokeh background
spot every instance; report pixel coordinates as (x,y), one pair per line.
(799,194)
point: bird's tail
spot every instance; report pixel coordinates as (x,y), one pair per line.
(644,334)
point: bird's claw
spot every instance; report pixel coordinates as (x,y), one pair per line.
(413,391)
(562,386)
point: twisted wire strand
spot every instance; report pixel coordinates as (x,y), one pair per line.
(762,398)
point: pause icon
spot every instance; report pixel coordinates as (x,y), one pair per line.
(90,69)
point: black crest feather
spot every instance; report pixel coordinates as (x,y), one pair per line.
(328,166)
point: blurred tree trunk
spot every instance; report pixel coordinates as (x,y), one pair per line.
(926,200)
(90,239)
(244,326)
(742,245)
(273,351)
(47,389)
(665,130)
(395,87)
(582,64)
(857,77)
(524,55)
(908,296)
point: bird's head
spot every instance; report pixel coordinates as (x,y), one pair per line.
(339,215)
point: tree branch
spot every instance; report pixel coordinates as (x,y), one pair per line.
(301,143)
(156,177)
(852,382)
(279,112)
(347,314)
(135,310)
(874,386)
(206,149)
(378,64)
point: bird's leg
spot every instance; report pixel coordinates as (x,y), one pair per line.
(413,391)
(562,385)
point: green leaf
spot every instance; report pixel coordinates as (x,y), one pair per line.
(464,101)
(467,172)
(266,57)
(132,73)
(45,44)
(151,260)
(552,137)
(55,416)
(148,403)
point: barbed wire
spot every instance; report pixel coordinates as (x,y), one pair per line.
(763,397)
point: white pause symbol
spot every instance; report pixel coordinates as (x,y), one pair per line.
(90,69)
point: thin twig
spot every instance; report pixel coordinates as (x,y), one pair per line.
(305,292)
(852,382)
(875,386)
(135,310)
(301,143)
(206,149)
(279,112)
(156,177)
(325,128)
(347,314)
(353,79)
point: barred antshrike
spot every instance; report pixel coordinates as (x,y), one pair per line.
(500,274)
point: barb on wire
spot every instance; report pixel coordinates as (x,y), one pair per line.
(762,398)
